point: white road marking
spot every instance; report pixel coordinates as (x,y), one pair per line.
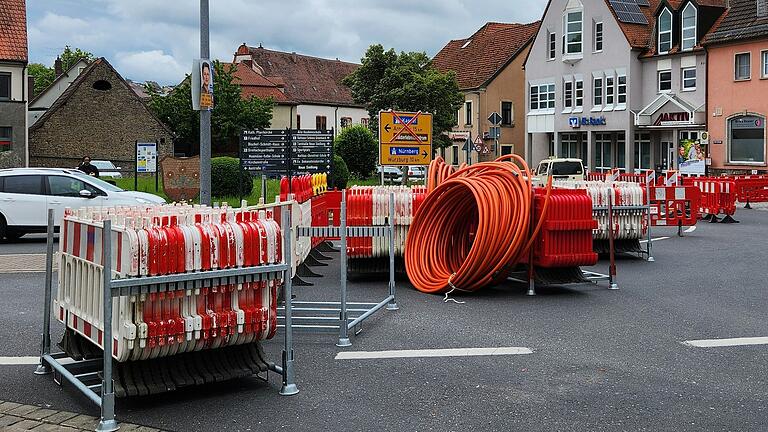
(15,361)
(691,229)
(714,343)
(655,239)
(450,352)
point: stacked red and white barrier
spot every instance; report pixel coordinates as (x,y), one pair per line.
(369,206)
(627,200)
(152,241)
(303,187)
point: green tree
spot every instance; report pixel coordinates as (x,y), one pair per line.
(231,113)
(45,75)
(407,82)
(358,147)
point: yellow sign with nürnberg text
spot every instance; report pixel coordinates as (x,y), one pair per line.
(405,138)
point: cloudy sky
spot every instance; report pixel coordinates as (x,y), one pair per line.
(157,39)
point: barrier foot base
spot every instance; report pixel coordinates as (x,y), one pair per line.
(531,289)
(392,307)
(107,426)
(43,369)
(289,390)
(714,219)
(748,206)
(613,286)
(651,259)
(728,220)
(319,255)
(326,247)
(297,281)
(344,343)
(304,271)
(314,262)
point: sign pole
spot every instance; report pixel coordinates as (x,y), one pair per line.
(205,115)
(288,156)
(157,170)
(136,166)
(468,147)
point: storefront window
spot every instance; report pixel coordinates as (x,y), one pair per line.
(746,139)
(643,150)
(603,156)
(621,150)
(569,146)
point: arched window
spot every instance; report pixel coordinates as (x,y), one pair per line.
(665,31)
(746,139)
(689,27)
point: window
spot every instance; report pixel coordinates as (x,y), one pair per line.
(597,91)
(603,154)
(609,90)
(321,122)
(598,37)
(455,155)
(665,31)
(102,85)
(569,145)
(621,89)
(346,122)
(621,150)
(24,184)
(572,33)
(689,27)
(364,121)
(542,97)
(67,186)
(298,121)
(746,139)
(643,150)
(468,112)
(689,79)
(764,68)
(742,66)
(506,113)
(5,86)
(665,81)
(568,94)
(552,45)
(579,93)
(6,139)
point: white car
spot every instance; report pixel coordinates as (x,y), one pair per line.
(107,169)
(26,194)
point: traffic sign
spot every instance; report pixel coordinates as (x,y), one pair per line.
(467,144)
(495,118)
(405,138)
(479,144)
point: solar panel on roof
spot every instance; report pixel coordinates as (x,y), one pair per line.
(628,11)
(643,2)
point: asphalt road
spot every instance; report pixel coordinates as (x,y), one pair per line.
(602,360)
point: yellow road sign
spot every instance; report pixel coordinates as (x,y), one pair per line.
(405,138)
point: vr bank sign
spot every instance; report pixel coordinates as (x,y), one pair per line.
(577,122)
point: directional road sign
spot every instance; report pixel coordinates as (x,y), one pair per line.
(405,138)
(495,118)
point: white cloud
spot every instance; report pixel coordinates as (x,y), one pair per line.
(167,31)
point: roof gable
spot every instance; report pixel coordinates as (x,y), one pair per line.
(81,62)
(13,31)
(479,58)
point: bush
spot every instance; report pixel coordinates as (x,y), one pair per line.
(359,149)
(339,175)
(225,175)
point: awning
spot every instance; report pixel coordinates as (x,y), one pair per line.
(686,116)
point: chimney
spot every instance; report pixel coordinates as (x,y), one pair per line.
(58,68)
(762,8)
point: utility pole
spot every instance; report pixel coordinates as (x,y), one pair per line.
(205,114)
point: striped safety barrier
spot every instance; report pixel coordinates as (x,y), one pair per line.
(718,196)
(675,205)
(171,239)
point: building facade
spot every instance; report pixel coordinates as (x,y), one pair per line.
(100,116)
(738,89)
(489,70)
(14,85)
(620,84)
(41,102)
(308,91)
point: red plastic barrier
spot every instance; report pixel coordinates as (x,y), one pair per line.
(675,205)
(565,239)
(718,195)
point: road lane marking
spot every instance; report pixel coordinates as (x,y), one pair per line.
(655,239)
(15,361)
(449,352)
(714,343)
(690,229)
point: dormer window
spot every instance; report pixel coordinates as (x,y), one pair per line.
(689,27)
(665,31)
(573,31)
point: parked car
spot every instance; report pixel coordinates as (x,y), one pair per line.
(107,169)
(391,174)
(417,172)
(26,194)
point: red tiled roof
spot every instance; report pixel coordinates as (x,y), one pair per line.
(254,84)
(306,79)
(13,30)
(740,23)
(480,57)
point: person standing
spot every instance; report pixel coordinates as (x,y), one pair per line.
(87,167)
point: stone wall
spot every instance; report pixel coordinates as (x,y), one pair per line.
(100,123)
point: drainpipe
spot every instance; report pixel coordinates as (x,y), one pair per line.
(25,97)
(336,122)
(291,121)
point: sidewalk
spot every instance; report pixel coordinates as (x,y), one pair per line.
(17,417)
(25,263)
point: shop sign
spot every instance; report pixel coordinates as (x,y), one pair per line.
(673,119)
(577,122)
(748,122)
(458,135)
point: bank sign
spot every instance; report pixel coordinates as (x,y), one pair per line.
(577,122)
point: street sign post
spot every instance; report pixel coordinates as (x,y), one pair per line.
(405,138)
(495,131)
(468,149)
(495,118)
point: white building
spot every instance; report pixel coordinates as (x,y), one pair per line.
(42,101)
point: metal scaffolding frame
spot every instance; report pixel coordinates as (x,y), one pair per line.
(84,374)
(345,316)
